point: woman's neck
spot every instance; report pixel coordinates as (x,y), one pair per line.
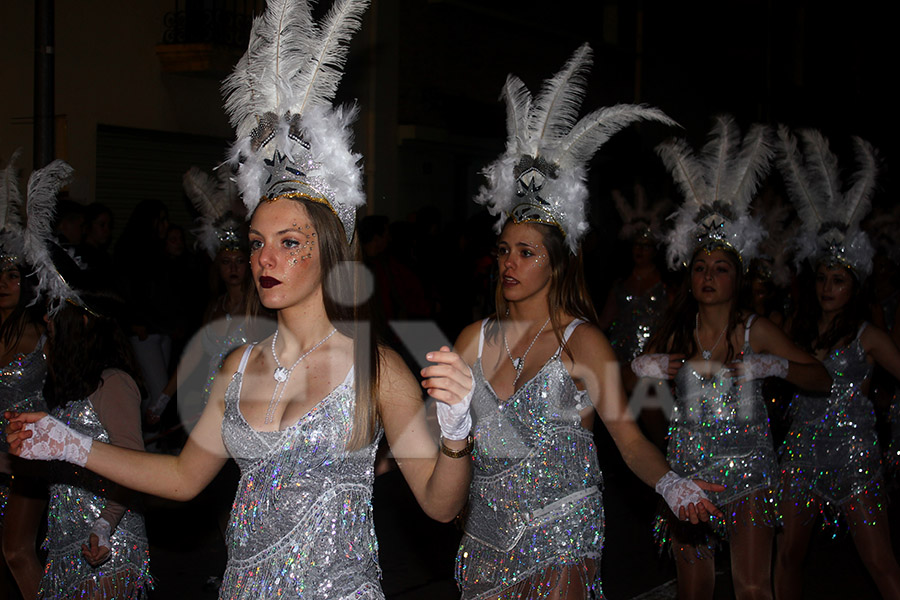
(713,317)
(301,326)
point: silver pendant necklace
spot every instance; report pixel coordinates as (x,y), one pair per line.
(706,354)
(283,374)
(519,363)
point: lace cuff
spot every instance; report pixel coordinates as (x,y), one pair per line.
(651,365)
(52,439)
(455,419)
(678,491)
(760,366)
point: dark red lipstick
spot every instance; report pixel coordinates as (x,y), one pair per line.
(268,282)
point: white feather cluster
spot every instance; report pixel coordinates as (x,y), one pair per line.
(830,215)
(217,202)
(718,185)
(43,186)
(546,128)
(639,216)
(293,66)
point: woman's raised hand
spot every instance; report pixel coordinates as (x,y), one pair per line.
(38,436)
(449,381)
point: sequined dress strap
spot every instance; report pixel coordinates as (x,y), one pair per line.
(244,359)
(750,320)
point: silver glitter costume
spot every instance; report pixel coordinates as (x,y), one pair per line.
(301,525)
(636,317)
(22,385)
(535,505)
(719,433)
(831,451)
(76,500)
(21,390)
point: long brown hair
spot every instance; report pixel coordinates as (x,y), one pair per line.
(675,334)
(844,326)
(342,286)
(568,289)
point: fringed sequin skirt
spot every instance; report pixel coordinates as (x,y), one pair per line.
(556,554)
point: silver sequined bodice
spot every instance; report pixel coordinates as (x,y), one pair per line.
(535,499)
(719,432)
(21,385)
(76,499)
(832,446)
(301,524)
(636,317)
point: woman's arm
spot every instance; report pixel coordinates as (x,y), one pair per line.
(879,345)
(439,482)
(804,371)
(175,477)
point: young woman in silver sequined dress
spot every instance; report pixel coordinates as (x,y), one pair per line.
(21,388)
(96,540)
(535,525)
(717,353)
(301,521)
(831,459)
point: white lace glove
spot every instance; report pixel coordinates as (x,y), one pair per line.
(679,491)
(651,365)
(156,407)
(455,419)
(102,529)
(52,439)
(760,366)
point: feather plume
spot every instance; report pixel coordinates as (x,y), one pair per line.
(205,193)
(518,105)
(279,43)
(753,161)
(43,186)
(10,197)
(858,199)
(718,154)
(555,109)
(822,167)
(790,162)
(316,83)
(686,169)
(595,129)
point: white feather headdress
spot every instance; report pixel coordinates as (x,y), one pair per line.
(541,177)
(830,215)
(640,219)
(40,207)
(718,186)
(11,241)
(221,221)
(291,141)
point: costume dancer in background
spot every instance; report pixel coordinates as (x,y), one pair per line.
(96,541)
(717,354)
(831,459)
(535,525)
(24,496)
(302,412)
(635,307)
(222,234)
